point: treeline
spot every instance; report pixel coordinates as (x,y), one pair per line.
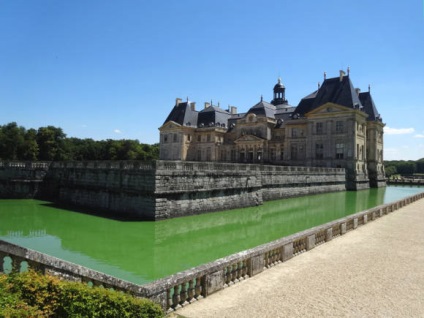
(51,144)
(403,167)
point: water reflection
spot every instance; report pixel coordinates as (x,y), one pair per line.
(144,251)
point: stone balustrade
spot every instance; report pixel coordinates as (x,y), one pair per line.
(183,288)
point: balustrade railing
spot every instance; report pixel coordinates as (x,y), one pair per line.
(186,287)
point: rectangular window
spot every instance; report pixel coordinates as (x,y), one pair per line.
(319,128)
(233,155)
(208,154)
(199,138)
(282,154)
(319,151)
(339,151)
(339,127)
(175,137)
(273,154)
(208,138)
(294,132)
(294,152)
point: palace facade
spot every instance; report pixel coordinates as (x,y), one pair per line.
(335,126)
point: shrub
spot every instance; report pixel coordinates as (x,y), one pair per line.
(33,295)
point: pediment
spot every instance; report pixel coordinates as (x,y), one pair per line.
(248,139)
(328,109)
(170,125)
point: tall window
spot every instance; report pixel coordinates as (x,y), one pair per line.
(319,128)
(208,138)
(319,151)
(294,132)
(294,152)
(339,151)
(272,154)
(208,154)
(339,127)
(175,137)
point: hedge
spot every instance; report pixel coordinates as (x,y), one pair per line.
(31,294)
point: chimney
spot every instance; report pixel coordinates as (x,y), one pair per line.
(325,76)
(342,73)
(358,90)
(178,101)
(233,110)
(207,105)
(319,85)
(193,106)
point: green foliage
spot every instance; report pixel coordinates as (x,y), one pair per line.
(390,171)
(402,167)
(50,143)
(34,295)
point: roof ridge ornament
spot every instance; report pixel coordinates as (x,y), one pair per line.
(325,75)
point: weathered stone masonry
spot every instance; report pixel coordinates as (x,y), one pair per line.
(165,189)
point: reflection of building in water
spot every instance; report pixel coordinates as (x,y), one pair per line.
(335,126)
(32,233)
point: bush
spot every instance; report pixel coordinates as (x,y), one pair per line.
(33,295)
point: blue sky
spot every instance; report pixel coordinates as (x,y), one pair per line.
(112,69)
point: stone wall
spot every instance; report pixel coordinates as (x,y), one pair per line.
(167,189)
(183,288)
(21,180)
(124,189)
(184,188)
(284,182)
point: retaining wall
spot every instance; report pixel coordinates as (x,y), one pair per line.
(191,285)
(165,189)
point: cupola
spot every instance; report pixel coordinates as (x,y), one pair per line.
(279,94)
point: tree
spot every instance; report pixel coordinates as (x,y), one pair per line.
(11,141)
(29,149)
(390,171)
(51,142)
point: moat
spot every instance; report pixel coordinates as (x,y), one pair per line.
(144,251)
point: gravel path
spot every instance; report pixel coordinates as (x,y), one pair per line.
(376,270)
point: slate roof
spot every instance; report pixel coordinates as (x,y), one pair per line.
(369,106)
(263,109)
(213,115)
(305,104)
(183,115)
(332,91)
(284,112)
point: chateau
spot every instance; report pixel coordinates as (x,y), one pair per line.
(337,126)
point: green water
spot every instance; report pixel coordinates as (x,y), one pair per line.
(144,251)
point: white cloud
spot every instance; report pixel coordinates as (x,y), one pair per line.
(117,131)
(398,131)
(419,136)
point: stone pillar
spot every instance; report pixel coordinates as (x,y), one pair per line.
(287,251)
(257,264)
(355,223)
(343,228)
(214,282)
(310,242)
(329,234)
